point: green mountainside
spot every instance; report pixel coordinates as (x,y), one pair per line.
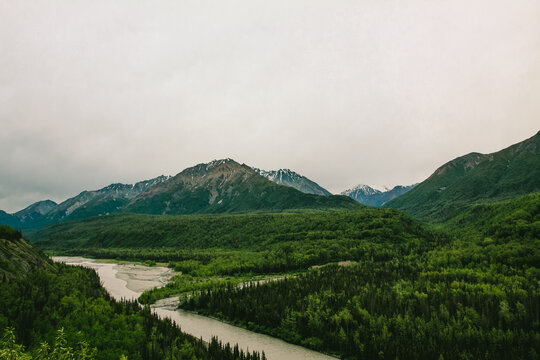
(516,219)
(18,257)
(474,178)
(224,186)
(240,231)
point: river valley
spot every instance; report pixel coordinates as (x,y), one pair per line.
(128,281)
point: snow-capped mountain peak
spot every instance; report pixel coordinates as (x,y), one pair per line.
(290,178)
(375,195)
(361,189)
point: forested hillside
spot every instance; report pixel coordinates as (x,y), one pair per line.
(517,219)
(227,231)
(476,298)
(17,257)
(55,311)
(207,248)
(474,178)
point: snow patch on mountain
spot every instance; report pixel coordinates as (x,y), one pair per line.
(287,177)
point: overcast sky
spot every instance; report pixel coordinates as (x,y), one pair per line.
(344,92)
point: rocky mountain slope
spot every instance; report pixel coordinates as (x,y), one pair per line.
(225,186)
(221,186)
(290,178)
(108,200)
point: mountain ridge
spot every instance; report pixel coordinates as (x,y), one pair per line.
(86,204)
(225,186)
(219,186)
(102,201)
(368,195)
(291,178)
(473,178)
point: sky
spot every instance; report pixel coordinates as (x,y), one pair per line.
(344,92)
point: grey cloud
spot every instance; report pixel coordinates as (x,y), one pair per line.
(379,92)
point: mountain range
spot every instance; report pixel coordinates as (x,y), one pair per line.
(220,186)
(367,195)
(109,200)
(225,186)
(475,178)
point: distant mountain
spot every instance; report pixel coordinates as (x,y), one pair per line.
(10,220)
(105,201)
(108,200)
(225,186)
(292,179)
(475,178)
(35,214)
(374,197)
(221,186)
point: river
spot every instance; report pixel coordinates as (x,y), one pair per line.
(128,281)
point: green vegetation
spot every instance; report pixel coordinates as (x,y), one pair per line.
(244,231)
(188,284)
(481,222)
(217,251)
(392,309)
(476,297)
(72,299)
(17,256)
(467,289)
(475,178)
(9,233)
(39,297)
(10,350)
